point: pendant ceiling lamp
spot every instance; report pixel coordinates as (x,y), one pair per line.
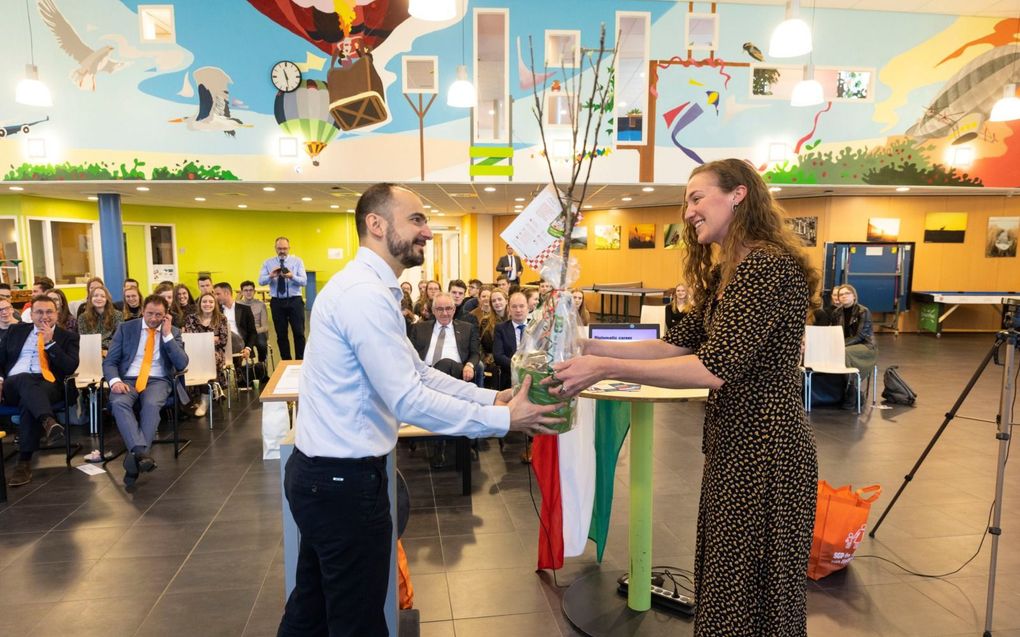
(808,91)
(462,92)
(792,37)
(31,91)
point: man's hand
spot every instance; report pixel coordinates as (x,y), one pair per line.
(469,373)
(528,417)
(120,387)
(246,353)
(47,332)
(274,274)
(289,275)
(168,324)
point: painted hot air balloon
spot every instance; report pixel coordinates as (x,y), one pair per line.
(304,113)
(326,23)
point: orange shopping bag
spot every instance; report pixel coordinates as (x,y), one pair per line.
(841,518)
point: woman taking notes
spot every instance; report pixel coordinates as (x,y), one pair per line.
(750,285)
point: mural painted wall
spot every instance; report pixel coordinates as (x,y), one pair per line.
(327,90)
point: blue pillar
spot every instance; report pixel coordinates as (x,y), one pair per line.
(111,239)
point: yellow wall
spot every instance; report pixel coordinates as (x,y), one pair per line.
(937,266)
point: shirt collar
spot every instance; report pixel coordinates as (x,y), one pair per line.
(381,269)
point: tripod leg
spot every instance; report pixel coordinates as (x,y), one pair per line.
(938,434)
(1002,435)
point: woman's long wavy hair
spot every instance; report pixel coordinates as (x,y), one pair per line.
(105,320)
(757,222)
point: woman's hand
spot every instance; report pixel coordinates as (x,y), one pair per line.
(576,375)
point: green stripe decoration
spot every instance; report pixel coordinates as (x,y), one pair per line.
(489,158)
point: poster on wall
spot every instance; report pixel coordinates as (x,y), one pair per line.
(1002,234)
(607,237)
(163,273)
(806,228)
(579,238)
(641,236)
(671,234)
(883,229)
(945,227)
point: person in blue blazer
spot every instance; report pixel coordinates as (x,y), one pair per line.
(507,336)
(125,369)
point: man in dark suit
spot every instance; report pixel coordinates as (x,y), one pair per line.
(34,360)
(455,354)
(507,336)
(510,266)
(144,355)
(240,318)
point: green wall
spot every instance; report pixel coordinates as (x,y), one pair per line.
(232,245)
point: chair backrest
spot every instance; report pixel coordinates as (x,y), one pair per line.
(90,360)
(201,352)
(824,346)
(654,314)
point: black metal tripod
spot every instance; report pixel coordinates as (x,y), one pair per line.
(1011,338)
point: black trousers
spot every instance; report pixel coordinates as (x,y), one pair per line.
(35,396)
(342,509)
(289,312)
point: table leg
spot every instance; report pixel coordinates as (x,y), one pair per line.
(639,594)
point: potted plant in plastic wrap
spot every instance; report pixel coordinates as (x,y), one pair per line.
(552,336)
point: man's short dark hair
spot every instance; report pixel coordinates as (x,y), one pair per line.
(279,239)
(501,277)
(204,277)
(247,284)
(44,299)
(456,283)
(135,281)
(45,282)
(376,198)
(5,286)
(477,282)
(158,300)
(223,285)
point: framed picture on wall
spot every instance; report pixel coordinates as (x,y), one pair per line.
(883,229)
(1002,235)
(607,237)
(579,238)
(806,228)
(671,234)
(641,236)
(945,227)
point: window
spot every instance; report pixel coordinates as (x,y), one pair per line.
(63,250)
(838,84)
(156,22)
(631,99)
(491,45)
(557,110)
(702,31)
(562,49)
(161,242)
(10,263)
(420,74)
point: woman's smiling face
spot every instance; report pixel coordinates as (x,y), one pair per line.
(709,209)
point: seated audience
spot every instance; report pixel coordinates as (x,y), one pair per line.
(457,289)
(544,288)
(8,317)
(533,298)
(471,301)
(483,307)
(100,317)
(406,288)
(182,305)
(205,285)
(261,316)
(42,285)
(502,283)
(855,319)
(421,290)
(208,318)
(583,316)
(166,290)
(507,336)
(131,306)
(241,321)
(34,360)
(90,285)
(144,356)
(423,308)
(679,305)
(64,318)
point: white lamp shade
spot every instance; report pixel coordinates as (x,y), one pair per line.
(31,91)
(1008,107)
(433,10)
(462,92)
(791,38)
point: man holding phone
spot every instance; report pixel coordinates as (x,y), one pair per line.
(285,275)
(144,356)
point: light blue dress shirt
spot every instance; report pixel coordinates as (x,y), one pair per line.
(361,376)
(294,285)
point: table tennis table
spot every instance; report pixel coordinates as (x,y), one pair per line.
(620,294)
(937,306)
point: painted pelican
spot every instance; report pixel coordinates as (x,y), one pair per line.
(91,61)
(213,103)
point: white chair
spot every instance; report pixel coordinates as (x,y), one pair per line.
(825,353)
(89,375)
(201,370)
(654,314)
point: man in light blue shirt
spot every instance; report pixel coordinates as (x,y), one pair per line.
(361,378)
(285,275)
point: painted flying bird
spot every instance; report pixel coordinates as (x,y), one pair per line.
(213,103)
(91,61)
(754,51)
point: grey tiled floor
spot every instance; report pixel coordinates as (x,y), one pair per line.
(196,548)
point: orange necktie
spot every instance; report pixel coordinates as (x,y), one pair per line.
(44,363)
(143,373)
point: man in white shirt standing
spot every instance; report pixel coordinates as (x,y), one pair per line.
(360,378)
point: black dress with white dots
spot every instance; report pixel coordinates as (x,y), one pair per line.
(757,508)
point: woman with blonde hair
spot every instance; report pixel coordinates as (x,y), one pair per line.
(100,317)
(679,305)
(182,305)
(752,286)
(583,316)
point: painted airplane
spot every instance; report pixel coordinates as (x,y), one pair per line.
(14,129)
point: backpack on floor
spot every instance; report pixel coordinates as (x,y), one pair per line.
(896,390)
